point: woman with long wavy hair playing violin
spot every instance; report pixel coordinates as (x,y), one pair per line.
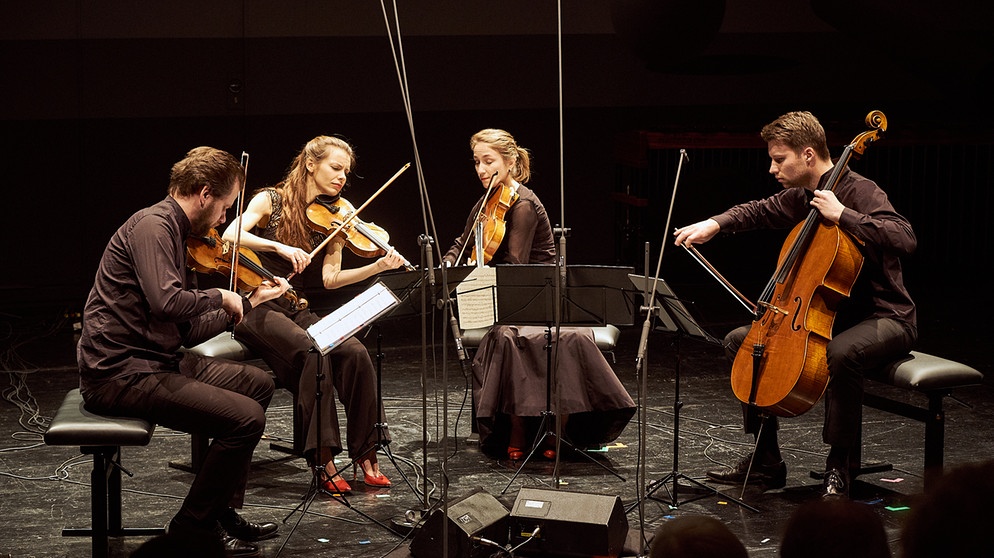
(276,227)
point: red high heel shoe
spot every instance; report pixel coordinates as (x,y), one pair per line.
(333,484)
(380,481)
(515,454)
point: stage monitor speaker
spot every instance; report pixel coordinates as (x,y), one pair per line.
(570,523)
(477,515)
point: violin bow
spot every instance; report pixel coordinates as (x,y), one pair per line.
(354,214)
(232,283)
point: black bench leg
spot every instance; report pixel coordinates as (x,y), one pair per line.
(101,485)
(935,427)
(102,500)
(198,453)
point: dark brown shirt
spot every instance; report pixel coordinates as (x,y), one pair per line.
(869,217)
(144,303)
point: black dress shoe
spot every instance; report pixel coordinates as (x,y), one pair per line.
(769,476)
(835,484)
(235,548)
(236,526)
(211,537)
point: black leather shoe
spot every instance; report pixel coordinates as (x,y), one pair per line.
(769,476)
(214,537)
(238,549)
(236,526)
(835,484)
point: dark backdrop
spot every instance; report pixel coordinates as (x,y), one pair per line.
(99,99)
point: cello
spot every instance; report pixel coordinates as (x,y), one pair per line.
(781,366)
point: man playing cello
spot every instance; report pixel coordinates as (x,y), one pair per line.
(875,325)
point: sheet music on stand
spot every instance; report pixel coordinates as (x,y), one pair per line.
(477,299)
(352,316)
(674,315)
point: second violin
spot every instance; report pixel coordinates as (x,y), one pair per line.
(327,214)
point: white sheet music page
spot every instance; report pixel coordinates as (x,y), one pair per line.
(476,298)
(352,316)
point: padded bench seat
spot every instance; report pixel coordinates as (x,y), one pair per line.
(100,436)
(935,378)
(605,337)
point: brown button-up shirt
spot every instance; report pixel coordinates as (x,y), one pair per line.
(144,304)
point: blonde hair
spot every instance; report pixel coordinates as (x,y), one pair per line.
(504,144)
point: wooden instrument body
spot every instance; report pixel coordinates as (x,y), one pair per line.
(796,325)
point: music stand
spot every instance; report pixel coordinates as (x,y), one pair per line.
(325,335)
(675,317)
(523,296)
(405,283)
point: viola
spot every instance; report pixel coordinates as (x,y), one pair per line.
(781,366)
(211,254)
(492,218)
(368,240)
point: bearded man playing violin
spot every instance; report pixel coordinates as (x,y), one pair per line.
(276,227)
(877,323)
(143,307)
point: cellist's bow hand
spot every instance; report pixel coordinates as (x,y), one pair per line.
(828,205)
(269,290)
(698,233)
(296,256)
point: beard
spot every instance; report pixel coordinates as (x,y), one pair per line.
(202,224)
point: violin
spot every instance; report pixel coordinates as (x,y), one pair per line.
(368,240)
(492,218)
(211,254)
(781,366)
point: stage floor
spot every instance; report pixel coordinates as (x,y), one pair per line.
(46,488)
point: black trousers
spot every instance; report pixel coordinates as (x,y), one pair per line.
(865,347)
(218,398)
(278,334)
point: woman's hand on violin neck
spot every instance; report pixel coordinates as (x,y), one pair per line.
(392,260)
(296,256)
(269,290)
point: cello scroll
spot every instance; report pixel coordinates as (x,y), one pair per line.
(876,120)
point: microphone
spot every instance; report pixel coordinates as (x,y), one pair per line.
(426,241)
(454,325)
